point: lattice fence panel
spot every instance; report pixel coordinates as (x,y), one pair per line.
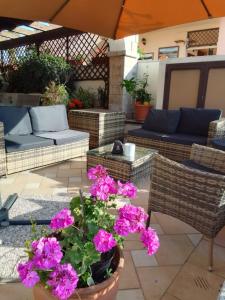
(208,37)
(57,47)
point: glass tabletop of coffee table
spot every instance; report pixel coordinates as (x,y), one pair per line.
(120,166)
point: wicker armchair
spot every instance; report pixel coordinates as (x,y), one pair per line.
(193,196)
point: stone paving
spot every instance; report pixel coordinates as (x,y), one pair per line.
(177,272)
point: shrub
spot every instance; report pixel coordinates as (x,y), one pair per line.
(34,72)
(55,94)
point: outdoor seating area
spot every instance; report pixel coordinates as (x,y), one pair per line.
(112,150)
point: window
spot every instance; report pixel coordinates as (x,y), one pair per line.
(168,52)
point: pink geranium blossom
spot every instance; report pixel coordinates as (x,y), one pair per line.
(27,275)
(127,189)
(122,227)
(135,215)
(103,188)
(63,281)
(47,253)
(104,241)
(150,240)
(62,219)
(97,172)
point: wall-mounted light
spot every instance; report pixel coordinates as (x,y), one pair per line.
(179,41)
(144,41)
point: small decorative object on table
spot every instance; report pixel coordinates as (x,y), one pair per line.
(80,258)
(117,147)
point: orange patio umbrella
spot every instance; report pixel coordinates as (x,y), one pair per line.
(113,18)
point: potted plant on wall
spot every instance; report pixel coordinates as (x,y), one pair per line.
(137,89)
(81,258)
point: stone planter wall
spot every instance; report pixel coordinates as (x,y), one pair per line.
(20,99)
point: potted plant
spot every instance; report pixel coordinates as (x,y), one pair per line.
(81,258)
(137,89)
(55,94)
(77,60)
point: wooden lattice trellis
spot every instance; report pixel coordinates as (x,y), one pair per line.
(86,52)
(206,37)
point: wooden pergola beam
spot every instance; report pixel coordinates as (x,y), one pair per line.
(38,38)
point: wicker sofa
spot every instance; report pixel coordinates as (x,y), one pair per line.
(172,132)
(192,191)
(37,136)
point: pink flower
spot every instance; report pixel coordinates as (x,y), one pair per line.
(62,219)
(150,240)
(47,253)
(27,275)
(63,281)
(122,227)
(103,188)
(104,241)
(135,215)
(97,172)
(127,189)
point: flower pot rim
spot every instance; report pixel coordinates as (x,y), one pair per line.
(97,287)
(140,104)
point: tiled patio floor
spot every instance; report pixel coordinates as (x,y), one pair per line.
(177,272)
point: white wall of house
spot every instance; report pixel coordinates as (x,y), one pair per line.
(167,37)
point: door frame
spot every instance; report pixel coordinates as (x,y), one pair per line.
(204,68)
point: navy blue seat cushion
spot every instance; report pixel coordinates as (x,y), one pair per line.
(193,165)
(219,143)
(16,120)
(196,120)
(177,138)
(49,118)
(15,143)
(162,120)
(65,136)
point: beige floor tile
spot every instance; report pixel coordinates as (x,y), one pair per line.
(129,279)
(78,165)
(68,173)
(157,228)
(75,179)
(220,239)
(132,294)
(171,225)
(142,259)
(15,291)
(195,238)
(60,191)
(170,297)
(156,280)
(6,180)
(195,283)
(133,245)
(199,257)
(173,250)
(32,185)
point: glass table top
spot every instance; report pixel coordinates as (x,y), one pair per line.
(105,151)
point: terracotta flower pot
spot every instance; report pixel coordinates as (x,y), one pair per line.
(106,290)
(141,111)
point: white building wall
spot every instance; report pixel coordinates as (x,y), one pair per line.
(167,37)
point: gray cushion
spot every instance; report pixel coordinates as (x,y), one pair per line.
(219,144)
(196,120)
(65,136)
(193,165)
(15,143)
(16,120)
(162,120)
(177,138)
(49,118)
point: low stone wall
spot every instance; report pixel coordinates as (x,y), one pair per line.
(20,99)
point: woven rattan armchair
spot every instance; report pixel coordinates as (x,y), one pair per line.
(193,196)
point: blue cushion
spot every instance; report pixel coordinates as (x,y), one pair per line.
(162,120)
(16,120)
(193,165)
(196,120)
(219,144)
(49,118)
(15,143)
(177,138)
(65,136)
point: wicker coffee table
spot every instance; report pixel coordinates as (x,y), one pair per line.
(120,166)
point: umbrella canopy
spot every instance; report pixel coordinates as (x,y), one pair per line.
(113,18)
